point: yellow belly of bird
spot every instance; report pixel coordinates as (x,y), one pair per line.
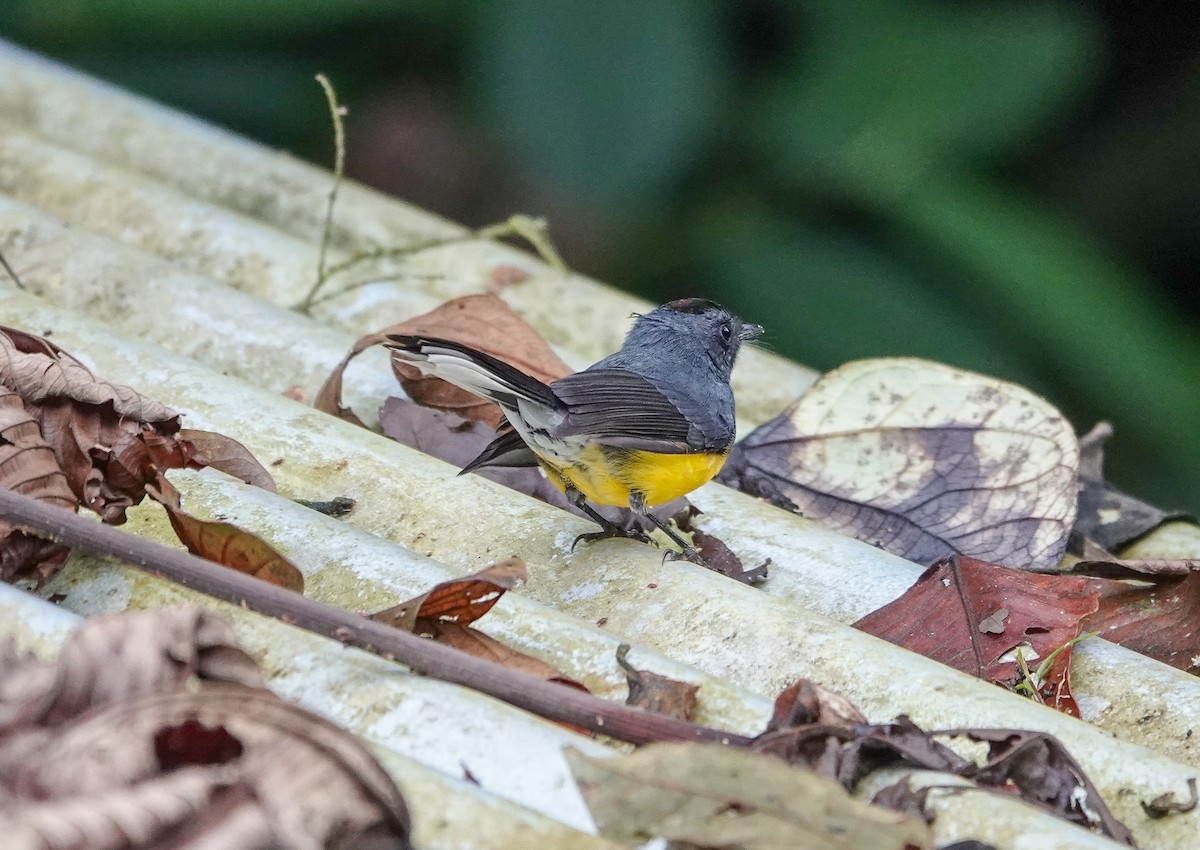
(606,476)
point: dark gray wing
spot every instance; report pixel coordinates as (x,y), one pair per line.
(507,450)
(621,408)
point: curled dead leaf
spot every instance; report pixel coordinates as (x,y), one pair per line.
(483,322)
(806,702)
(226,544)
(28,466)
(217,451)
(106,743)
(921,459)
(461,600)
(651,691)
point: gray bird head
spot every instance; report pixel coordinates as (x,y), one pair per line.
(691,330)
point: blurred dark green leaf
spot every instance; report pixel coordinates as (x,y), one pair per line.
(612,100)
(190,21)
(828,295)
(883,87)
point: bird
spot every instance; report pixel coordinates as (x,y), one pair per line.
(643,426)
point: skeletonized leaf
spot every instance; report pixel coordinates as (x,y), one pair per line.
(228,455)
(712,796)
(226,544)
(461,600)
(949,615)
(923,460)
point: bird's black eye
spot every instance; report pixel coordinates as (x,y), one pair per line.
(726,333)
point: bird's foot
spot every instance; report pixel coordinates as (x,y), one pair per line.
(612,531)
(688,553)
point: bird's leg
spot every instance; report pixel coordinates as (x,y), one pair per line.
(608,529)
(688,552)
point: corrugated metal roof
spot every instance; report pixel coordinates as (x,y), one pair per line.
(166,254)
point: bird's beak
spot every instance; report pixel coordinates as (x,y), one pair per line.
(750,332)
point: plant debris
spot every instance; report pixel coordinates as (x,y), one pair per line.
(952,614)
(653,692)
(72,439)
(484,322)
(921,459)
(445,614)
(709,796)
(156,726)
(1108,517)
(1035,764)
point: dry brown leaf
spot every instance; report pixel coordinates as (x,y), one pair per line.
(117,658)
(923,460)
(226,544)
(461,600)
(707,795)
(329,397)
(41,372)
(107,743)
(487,324)
(651,691)
(476,643)
(309,781)
(28,466)
(107,438)
(483,322)
(445,612)
(806,702)
(228,455)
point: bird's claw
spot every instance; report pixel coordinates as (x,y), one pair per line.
(688,554)
(607,533)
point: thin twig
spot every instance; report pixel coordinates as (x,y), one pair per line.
(336,112)
(11,272)
(532,230)
(546,699)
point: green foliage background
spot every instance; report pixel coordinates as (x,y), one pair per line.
(848,174)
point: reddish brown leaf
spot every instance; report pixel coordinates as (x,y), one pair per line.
(1159,620)
(940,617)
(329,397)
(461,600)
(476,643)
(226,544)
(805,702)
(226,454)
(652,692)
